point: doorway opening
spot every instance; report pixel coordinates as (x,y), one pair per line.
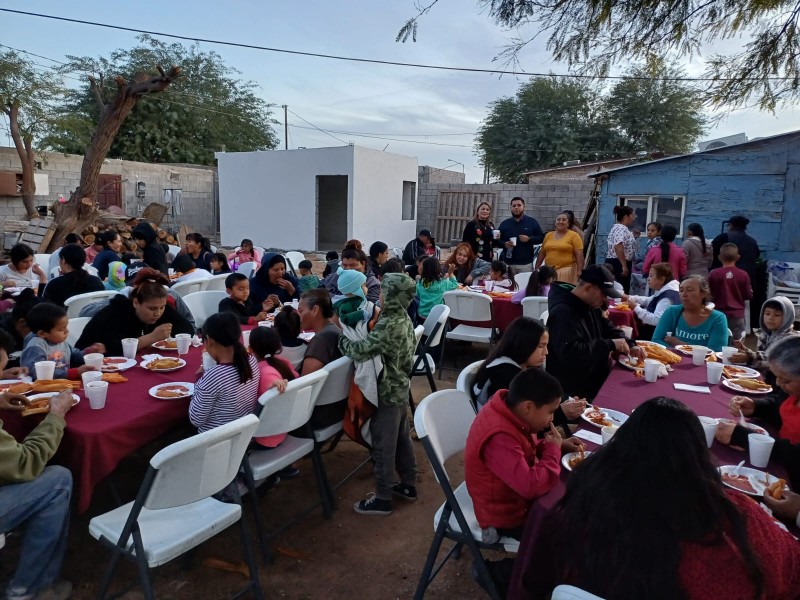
(331,212)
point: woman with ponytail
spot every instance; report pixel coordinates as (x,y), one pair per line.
(229,389)
(667,252)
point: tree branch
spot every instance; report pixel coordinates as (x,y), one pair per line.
(96,90)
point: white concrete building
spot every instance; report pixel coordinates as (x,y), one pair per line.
(317,198)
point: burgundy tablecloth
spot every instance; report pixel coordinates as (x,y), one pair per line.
(95,441)
(503,310)
(624,318)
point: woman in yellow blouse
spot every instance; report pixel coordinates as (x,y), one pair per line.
(562,249)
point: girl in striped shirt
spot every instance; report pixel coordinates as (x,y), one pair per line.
(228,390)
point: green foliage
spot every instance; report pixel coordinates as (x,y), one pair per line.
(208,109)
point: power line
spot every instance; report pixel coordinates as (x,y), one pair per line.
(318,128)
(372,60)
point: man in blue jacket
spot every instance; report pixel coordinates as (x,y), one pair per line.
(519,234)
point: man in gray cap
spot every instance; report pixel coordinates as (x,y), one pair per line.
(748,246)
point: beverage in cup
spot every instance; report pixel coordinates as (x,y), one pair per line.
(714,372)
(607,432)
(45,369)
(246,339)
(95,359)
(129,347)
(760,449)
(96,392)
(183,341)
(208,362)
(510,251)
(89,376)
(496,233)
(699,355)
(727,353)
(651,369)
(709,428)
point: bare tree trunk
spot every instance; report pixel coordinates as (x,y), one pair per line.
(24,147)
(80,210)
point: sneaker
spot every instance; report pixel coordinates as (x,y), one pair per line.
(289,472)
(58,590)
(406,492)
(372,505)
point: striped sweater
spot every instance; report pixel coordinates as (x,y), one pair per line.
(220,398)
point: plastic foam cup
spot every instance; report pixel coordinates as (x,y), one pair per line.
(488,285)
(95,359)
(496,233)
(183,341)
(709,428)
(727,353)
(607,432)
(45,369)
(699,354)
(90,376)
(651,369)
(760,449)
(714,372)
(627,331)
(96,392)
(129,347)
(246,339)
(208,362)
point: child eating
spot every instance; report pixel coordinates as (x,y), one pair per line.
(503,276)
(238,301)
(777,323)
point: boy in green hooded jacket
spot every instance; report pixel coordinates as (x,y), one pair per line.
(393,338)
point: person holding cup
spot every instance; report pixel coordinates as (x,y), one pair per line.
(519,234)
(780,410)
(480,233)
(47,343)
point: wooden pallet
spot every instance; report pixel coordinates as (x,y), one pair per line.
(39,234)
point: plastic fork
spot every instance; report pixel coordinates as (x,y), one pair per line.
(742,420)
(737,469)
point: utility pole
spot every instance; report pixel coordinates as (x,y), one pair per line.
(285,127)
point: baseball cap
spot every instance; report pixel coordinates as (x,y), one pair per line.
(602,277)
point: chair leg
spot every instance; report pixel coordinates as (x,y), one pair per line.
(436,544)
(325,492)
(441,356)
(141,563)
(429,375)
(251,488)
(251,560)
(483,573)
(109,574)
(335,441)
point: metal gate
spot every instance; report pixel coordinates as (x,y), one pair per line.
(456,209)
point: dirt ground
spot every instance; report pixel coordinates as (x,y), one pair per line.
(348,556)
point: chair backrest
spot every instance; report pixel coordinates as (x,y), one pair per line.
(337,386)
(216,283)
(202,465)
(543,317)
(419,331)
(213,248)
(293,259)
(55,272)
(467,377)
(444,418)
(534,306)
(43,260)
(469,306)
(173,252)
(522,279)
(203,304)
(295,355)
(184,288)
(260,251)
(247,269)
(76,327)
(286,412)
(75,304)
(397,252)
(437,316)
(570,592)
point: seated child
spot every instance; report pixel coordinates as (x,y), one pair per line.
(186,270)
(229,389)
(238,301)
(219,264)
(538,284)
(287,326)
(777,322)
(245,253)
(307,279)
(15,323)
(431,286)
(116,276)
(331,263)
(47,340)
(503,276)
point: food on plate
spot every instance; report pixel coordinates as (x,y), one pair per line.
(597,416)
(713,358)
(775,490)
(160,364)
(732,372)
(752,384)
(114,361)
(621,307)
(167,344)
(40,406)
(113,378)
(172,391)
(638,373)
(54,385)
(577,459)
(740,482)
(661,354)
(17,388)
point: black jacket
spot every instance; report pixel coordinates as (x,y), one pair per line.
(580,343)
(483,244)
(118,320)
(71,284)
(748,251)
(243,312)
(153,254)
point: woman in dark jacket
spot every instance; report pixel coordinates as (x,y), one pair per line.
(147,315)
(153,254)
(479,233)
(271,284)
(74,280)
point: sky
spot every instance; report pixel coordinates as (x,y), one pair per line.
(430,114)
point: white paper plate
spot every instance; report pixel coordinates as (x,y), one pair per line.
(743,372)
(625,362)
(566,458)
(124,365)
(743,390)
(75,397)
(144,363)
(753,427)
(185,384)
(759,480)
(616,417)
(6,383)
(686,349)
(161,345)
(646,343)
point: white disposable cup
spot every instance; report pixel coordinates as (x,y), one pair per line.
(295,303)
(265,323)
(513,241)
(90,376)
(184,341)
(208,362)
(727,353)
(45,369)
(95,359)
(246,339)
(171,271)
(496,233)
(129,347)
(488,285)
(699,354)
(607,432)
(709,428)
(714,372)
(760,449)
(651,369)
(627,331)
(96,392)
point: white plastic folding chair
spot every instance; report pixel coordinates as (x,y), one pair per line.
(43,260)
(432,329)
(173,252)
(76,327)
(570,592)
(293,259)
(470,307)
(534,306)
(442,422)
(260,251)
(55,272)
(294,354)
(544,316)
(521,279)
(216,283)
(174,510)
(203,304)
(77,303)
(281,413)
(213,248)
(184,288)
(466,379)
(247,269)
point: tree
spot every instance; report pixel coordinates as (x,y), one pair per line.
(207,110)
(550,120)
(26,100)
(653,110)
(595,35)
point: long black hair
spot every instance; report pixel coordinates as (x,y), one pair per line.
(668,235)
(266,345)
(431,271)
(75,257)
(544,276)
(499,266)
(287,323)
(696,230)
(634,506)
(205,243)
(224,329)
(519,341)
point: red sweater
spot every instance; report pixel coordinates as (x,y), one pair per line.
(730,288)
(506,468)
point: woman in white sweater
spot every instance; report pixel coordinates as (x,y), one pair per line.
(665,293)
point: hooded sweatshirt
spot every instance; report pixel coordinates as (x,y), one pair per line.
(260,286)
(652,307)
(393,338)
(580,342)
(767,338)
(153,254)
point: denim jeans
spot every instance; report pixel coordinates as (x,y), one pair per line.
(392,449)
(41,506)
